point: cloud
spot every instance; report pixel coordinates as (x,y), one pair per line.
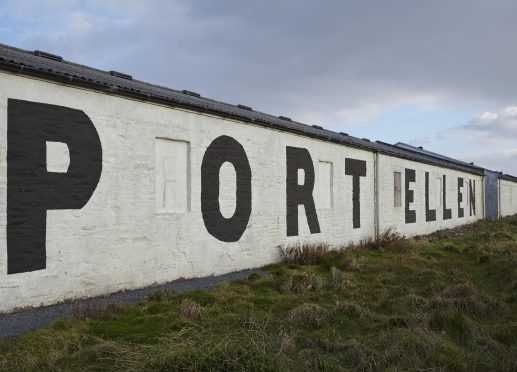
(330,62)
(505,161)
(492,127)
(339,64)
(500,124)
(419,141)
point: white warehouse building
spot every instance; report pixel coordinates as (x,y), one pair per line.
(109,183)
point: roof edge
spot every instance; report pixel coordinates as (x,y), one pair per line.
(124,89)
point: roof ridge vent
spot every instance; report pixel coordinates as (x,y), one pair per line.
(51,56)
(285,118)
(121,75)
(317,127)
(191,93)
(366,139)
(247,108)
(344,134)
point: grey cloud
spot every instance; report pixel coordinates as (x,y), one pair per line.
(337,61)
(494,127)
(419,141)
(500,123)
(490,139)
(505,161)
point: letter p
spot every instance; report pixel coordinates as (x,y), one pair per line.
(31,189)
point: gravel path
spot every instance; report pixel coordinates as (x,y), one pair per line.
(22,322)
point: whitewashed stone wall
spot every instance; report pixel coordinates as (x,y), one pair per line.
(508,197)
(394,217)
(143,224)
(126,237)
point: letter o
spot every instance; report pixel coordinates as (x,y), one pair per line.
(225,149)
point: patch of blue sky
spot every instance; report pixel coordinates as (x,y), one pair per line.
(411,123)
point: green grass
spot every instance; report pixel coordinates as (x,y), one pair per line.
(447,301)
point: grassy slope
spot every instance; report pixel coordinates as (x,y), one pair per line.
(445,301)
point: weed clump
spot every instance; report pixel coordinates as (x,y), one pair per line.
(415,300)
(301,282)
(451,248)
(87,309)
(350,263)
(162,295)
(413,346)
(303,254)
(388,239)
(341,280)
(308,314)
(463,297)
(287,343)
(202,349)
(190,309)
(455,324)
(352,309)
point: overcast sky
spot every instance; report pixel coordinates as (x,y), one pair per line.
(441,74)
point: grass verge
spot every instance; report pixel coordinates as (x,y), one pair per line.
(447,301)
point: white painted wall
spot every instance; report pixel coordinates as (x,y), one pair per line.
(508,198)
(143,223)
(123,239)
(394,217)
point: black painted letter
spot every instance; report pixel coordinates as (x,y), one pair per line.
(409,176)
(299,158)
(225,149)
(430,214)
(31,190)
(460,198)
(472,196)
(447,213)
(356,169)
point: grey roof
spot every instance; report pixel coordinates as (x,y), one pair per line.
(54,68)
(436,155)
(500,175)
(507,177)
(426,158)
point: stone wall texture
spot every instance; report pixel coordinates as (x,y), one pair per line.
(508,198)
(143,223)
